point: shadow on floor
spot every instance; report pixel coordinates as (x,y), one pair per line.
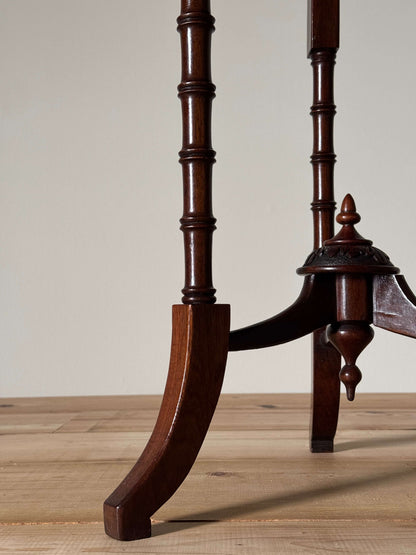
(239,510)
(373,443)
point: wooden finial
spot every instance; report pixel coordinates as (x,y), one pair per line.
(348,236)
(348,252)
(348,214)
(350,339)
(350,376)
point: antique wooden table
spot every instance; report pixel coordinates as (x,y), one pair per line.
(349,285)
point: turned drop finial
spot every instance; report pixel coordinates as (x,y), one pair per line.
(350,376)
(350,338)
(348,217)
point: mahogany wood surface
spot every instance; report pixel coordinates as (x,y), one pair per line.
(323,43)
(349,284)
(197,364)
(326,362)
(394,305)
(323,24)
(196,92)
(304,316)
(350,339)
(200,329)
(352,332)
(353,260)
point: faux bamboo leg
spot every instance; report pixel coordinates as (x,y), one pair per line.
(196,92)
(323,27)
(200,328)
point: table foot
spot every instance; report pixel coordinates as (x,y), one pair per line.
(198,358)
(322,446)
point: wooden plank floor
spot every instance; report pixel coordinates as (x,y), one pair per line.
(254,489)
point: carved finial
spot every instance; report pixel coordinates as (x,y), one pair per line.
(348,214)
(350,339)
(348,235)
(350,376)
(348,252)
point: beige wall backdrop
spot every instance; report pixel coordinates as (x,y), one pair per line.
(91,252)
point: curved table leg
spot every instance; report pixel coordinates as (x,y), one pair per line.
(315,307)
(394,305)
(197,365)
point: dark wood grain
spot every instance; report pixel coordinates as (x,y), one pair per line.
(197,365)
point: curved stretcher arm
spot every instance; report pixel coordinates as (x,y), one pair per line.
(314,308)
(394,305)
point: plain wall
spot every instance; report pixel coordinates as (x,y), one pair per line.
(91,252)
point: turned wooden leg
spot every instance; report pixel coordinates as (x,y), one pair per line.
(197,365)
(323,42)
(200,331)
